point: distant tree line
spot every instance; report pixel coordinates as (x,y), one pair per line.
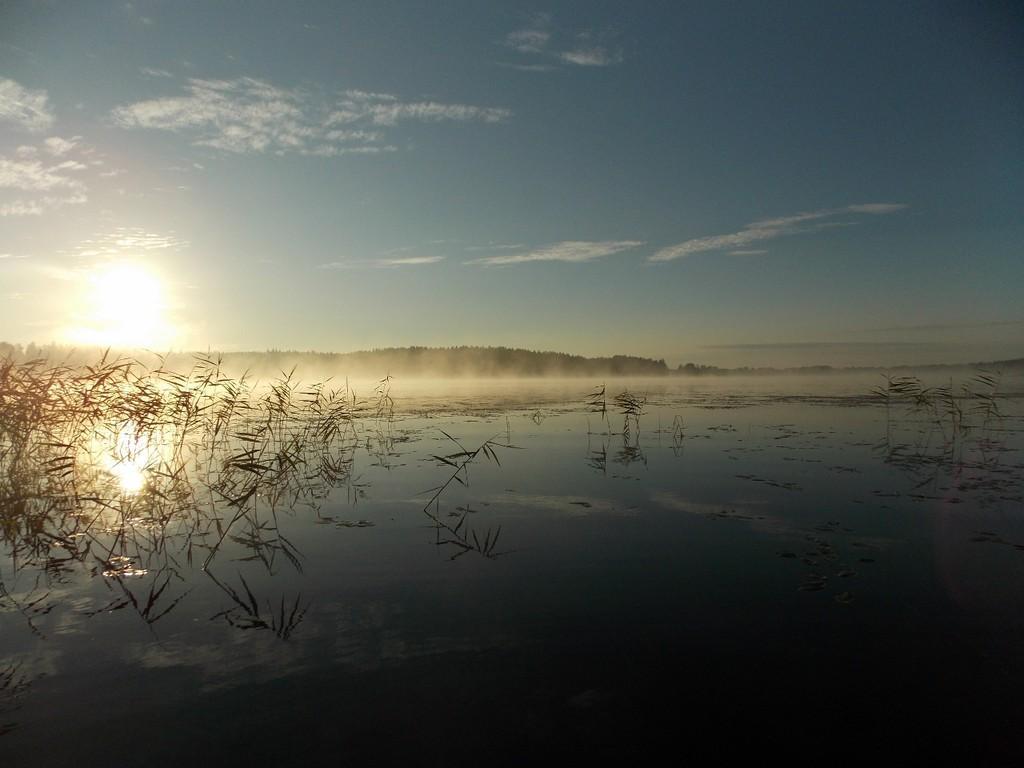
(484,362)
(441,362)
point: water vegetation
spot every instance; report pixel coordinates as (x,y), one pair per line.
(184,499)
(950,439)
(452,530)
(138,473)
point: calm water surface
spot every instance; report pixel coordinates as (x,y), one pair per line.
(751,568)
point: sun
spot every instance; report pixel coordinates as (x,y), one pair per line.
(122,305)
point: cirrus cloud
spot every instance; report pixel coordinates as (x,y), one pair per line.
(128,241)
(769,229)
(389,263)
(571,251)
(247,115)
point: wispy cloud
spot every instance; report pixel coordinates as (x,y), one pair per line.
(594,56)
(385,109)
(249,115)
(572,251)
(876,208)
(531,39)
(35,176)
(390,263)
(128,241)
(26,108)
(31,183)
(57,146)
(817,345)
(945,326)
(410,261)
(540,39)
(496,247)
(528,67)
(769,229)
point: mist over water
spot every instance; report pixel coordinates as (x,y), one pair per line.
(534,559)
(441,384)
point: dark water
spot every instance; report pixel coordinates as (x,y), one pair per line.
(745,573)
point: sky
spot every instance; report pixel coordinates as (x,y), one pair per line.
(728,183)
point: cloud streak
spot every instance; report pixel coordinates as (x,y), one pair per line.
(782,345)
(595,56)
(570,251)
(496,247)
(247,115)
(128,241)
(410,261)
(25,108)
(389,263)
(945,326)
(769,229)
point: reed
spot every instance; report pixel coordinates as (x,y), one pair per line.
(455,532)
(942,435)
(948,408)
(597,401)
(13,685)
(138,472)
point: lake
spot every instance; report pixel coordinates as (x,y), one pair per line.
(496,572)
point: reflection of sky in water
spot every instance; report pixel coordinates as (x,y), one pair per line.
(759,529)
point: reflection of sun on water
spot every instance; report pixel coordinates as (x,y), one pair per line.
(124,306)
(130,458)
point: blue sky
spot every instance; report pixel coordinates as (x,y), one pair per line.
(732,183)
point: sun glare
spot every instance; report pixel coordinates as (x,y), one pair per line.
(123,305)
(130,459)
